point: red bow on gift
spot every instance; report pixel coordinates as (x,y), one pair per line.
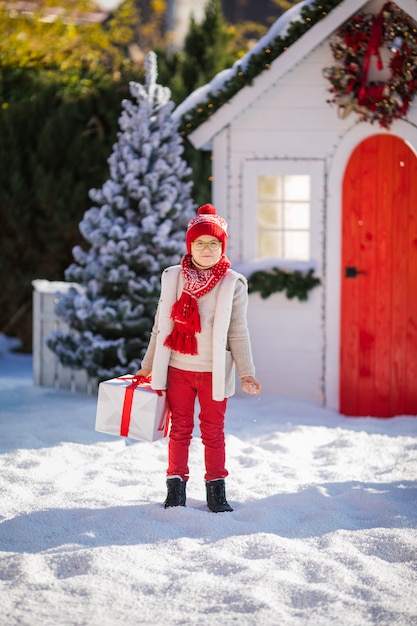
(127,404)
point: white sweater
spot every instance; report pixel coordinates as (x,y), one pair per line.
(224,339)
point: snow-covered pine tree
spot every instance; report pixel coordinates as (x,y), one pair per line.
(136,229)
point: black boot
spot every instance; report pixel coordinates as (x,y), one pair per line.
(216,496)
(176,492)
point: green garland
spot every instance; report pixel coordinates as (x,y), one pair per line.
(296,284)
(256,65)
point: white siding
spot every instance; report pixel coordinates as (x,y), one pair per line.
(287,345)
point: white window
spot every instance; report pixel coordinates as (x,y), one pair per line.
(283,217)
(282,209)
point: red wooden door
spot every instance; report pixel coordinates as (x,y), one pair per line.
(378,357)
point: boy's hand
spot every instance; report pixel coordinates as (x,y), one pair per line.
(251,385)
(143,372)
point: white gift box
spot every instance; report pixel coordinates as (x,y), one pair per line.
(129,408)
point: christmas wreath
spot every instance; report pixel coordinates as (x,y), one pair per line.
(353,46)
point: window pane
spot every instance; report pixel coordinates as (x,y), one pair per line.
(270,215)
(283,217)
(297,188)
(270,187)
(270,244)
(297,246)
(297,215)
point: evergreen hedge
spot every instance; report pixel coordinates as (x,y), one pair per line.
(54,146)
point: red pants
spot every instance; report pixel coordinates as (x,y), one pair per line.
(183,388)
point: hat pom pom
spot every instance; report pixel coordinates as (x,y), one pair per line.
(207,209)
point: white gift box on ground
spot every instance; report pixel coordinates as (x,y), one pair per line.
(128,407)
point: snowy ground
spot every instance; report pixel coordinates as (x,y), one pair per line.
(323,532)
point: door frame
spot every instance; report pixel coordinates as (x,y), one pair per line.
(333,244)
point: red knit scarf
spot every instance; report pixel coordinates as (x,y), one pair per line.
(184,312)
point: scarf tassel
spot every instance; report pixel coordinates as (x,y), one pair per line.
(185,343)
(187,322)
(185,312)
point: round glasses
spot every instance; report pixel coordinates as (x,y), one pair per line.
(202,245)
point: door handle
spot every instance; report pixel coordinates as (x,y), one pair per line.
(352,272)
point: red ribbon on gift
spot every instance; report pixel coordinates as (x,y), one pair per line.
(127,404)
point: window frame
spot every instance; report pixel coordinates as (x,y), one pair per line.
(252,169)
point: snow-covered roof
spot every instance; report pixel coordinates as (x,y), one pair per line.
(278,29)
(202,133)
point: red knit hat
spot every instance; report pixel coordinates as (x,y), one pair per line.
(207,222)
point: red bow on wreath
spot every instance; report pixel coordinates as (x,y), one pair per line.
(373,49)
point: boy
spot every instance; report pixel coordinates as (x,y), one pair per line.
(200,334)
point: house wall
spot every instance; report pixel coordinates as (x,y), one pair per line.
(296,344)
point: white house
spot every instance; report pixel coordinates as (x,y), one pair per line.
(306,183)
